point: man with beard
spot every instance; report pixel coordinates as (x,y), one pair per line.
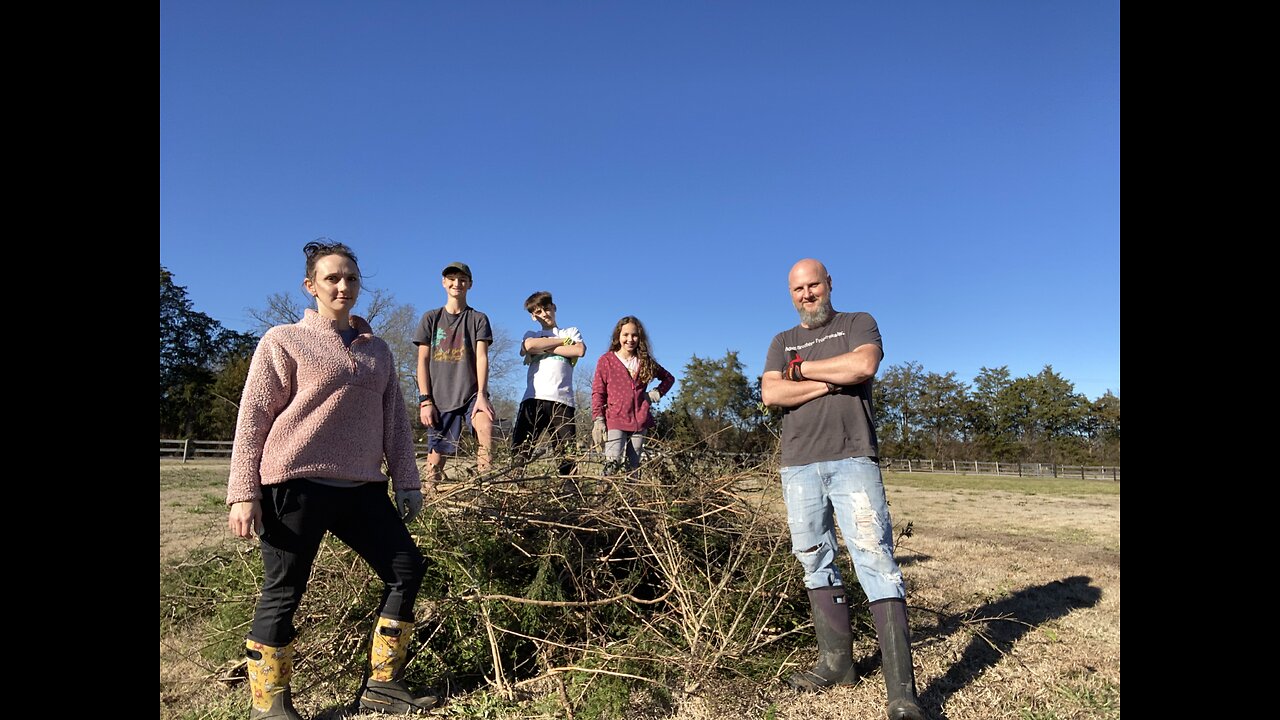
(820,372)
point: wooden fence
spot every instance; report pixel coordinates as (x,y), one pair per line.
(976,467)
(185,450)
(197,449)
(194,449)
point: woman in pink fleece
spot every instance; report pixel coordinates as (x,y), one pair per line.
(321,410)
(619,401)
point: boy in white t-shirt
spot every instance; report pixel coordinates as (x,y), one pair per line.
(547,405)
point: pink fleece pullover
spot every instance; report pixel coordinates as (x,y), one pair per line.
(619,399)
(313,407)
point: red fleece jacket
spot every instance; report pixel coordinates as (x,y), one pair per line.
(619,398)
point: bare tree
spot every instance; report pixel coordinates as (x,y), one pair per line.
(287,308)
(395,324)
(504,358)
(281,309)
(380,305)
(506,376)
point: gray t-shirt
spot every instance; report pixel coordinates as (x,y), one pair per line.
(452,339)
(832,427)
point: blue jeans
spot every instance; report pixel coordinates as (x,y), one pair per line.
(852,492)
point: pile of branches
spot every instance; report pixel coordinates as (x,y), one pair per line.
(662,577)
(677,571)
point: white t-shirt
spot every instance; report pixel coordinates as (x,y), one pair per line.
(550,376)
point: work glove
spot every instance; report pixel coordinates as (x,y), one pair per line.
(408,504)
(598,431)
(792,370)
(654,395)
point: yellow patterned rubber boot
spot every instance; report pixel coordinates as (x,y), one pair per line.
(385,691)
(270,669)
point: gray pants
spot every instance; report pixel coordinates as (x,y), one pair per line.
(619,440)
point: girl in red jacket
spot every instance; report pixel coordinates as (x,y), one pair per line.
(619,399)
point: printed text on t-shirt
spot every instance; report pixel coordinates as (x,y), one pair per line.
(811,343)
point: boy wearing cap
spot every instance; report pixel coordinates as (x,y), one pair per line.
(453,374)
(550,352)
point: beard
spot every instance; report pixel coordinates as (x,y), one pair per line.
(818,316)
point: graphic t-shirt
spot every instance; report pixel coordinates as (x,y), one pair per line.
(832,427)
(452,364)
(550,376)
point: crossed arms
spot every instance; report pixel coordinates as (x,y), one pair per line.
(851,368)
(553,346)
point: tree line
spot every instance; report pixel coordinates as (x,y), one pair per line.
(202,368)
(919,413)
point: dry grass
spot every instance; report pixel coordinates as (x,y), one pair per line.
(1015,612)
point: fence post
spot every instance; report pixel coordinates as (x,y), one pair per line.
(186,450)
(1081,472)
(908,465)
(997,467)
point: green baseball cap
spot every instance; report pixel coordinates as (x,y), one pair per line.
(456,267)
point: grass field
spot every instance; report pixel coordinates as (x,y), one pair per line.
(1014,586)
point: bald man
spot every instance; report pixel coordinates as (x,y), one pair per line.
(820,374)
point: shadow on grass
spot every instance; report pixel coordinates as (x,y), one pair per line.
(1007,621)
(912,559)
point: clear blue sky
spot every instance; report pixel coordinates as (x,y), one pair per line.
(955,165)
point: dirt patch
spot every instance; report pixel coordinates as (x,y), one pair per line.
(193,512)
(1094,519)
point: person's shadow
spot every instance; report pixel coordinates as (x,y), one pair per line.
(1007,621)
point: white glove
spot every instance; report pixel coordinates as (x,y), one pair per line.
(408,504)
(598,432)
(654,396)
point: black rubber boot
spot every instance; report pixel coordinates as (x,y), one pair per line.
(895,658)
(396,697)
(835,641)
(385,690)
(281,709)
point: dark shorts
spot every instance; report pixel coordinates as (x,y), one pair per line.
(443,438)
(554,418)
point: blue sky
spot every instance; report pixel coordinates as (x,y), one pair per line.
(955,165)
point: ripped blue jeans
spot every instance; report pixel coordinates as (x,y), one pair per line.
(851,493)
